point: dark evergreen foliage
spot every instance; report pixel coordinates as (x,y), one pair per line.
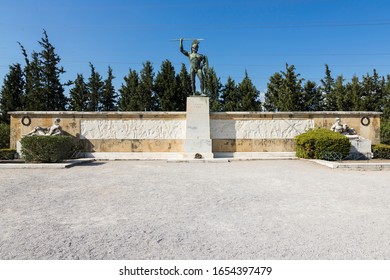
(34,99)
(312,99)
(109,95)
(230,98)
(249,95)
(272,95)
(129,92)
(11,94)
(330,99)
(95,89)
(52,89)
(284,91)
(213,87)
(147,99)
(183,82)
(43,88)
(166,87)
(79,94)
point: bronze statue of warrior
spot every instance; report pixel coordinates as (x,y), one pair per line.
(198,63)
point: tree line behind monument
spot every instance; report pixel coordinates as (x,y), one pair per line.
(37,87)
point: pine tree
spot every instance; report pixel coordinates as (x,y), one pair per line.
(344,101)
(330,98)
(213,87)
(79,94)
(166,88)
(353,92)
(386,101)
(128,99)
(109,95)
(230,97)
(372,92)
(52,88)
(11,94)
(43,89)
(183,82)
(291,95)
(34,99)
(147,99)
(311,98)
(95,88)
(249,95)
(272,95)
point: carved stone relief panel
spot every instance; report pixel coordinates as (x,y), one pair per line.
(133,129)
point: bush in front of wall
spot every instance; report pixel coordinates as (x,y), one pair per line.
(47,148)
(385,132)
(4,135)
(7,154)
(322,143)
(381,151)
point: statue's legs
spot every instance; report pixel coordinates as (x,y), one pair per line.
(201,81)
(193,87)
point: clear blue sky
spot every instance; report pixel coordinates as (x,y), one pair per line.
(352,36)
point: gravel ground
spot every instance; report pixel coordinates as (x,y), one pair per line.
(269,209)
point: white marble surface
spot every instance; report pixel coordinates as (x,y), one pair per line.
(133,129)
(259,129)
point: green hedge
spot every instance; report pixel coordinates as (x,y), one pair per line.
(4,135)
(385,132)
(7,153)
(381,151)
(47,148)
(322,143)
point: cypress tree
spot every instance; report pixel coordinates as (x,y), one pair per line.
(34,99)
(95,88)
(165,87)
(386,100)
(129,92)
(183,82)
(330,97)
(147,99)
(230,97)
(11,94)
(353,91)
(43,89)
(272,95)
(291,95)
(108,97)
(79,94)
(52,89)
(249,95)
(372,92)
(344,101)
(312,97)
(213,87)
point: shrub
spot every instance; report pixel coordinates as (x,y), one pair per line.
(322,143)
(4,135)
(47,148)
(7,153)
(385,132)
(381,151)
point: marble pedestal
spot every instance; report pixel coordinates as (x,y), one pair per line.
(198,141)
(360,148)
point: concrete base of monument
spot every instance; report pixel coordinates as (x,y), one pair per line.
(256,155)
(189,156)
(131,156)
(198,149)
(147,156)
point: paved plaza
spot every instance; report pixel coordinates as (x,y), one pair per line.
(269,209)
